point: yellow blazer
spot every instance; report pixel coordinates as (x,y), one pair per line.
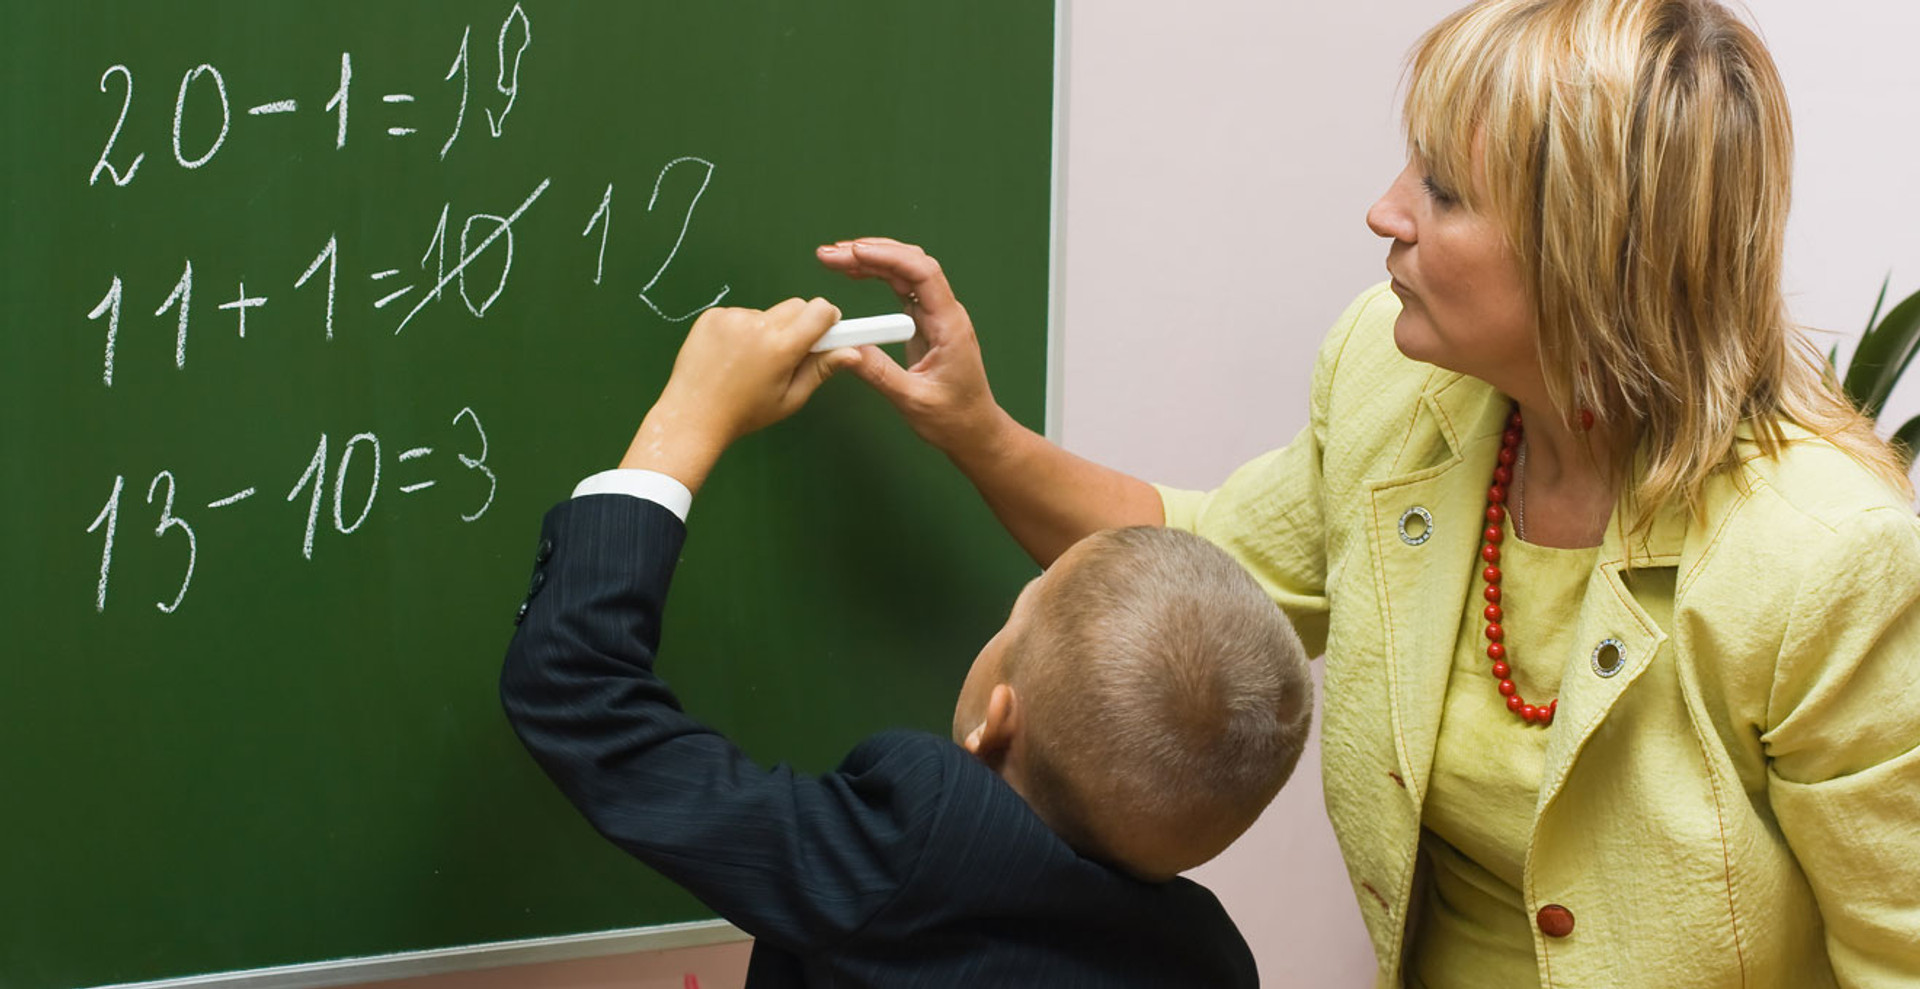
(1732,798)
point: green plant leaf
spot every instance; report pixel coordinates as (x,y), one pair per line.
(1907,439)
(1881,301)
(1884,353)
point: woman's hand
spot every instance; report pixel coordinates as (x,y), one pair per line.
(1046,497)
(943,392)
(739,370)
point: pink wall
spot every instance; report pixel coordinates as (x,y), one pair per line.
(1219,158)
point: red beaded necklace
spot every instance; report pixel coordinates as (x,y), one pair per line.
(1533,714)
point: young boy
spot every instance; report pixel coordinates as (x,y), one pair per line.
(1140,708)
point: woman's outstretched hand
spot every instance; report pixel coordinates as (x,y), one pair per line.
(1046,497)
(943,392)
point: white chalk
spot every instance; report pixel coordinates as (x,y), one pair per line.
(890,328)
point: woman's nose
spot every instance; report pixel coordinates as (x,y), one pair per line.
(1389,219)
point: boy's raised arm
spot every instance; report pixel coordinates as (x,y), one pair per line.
(800,860)
(739,370)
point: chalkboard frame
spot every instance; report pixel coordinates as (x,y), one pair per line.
(467,958)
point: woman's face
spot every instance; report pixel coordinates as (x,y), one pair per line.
(1464,303)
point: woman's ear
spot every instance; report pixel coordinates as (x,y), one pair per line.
(990,740)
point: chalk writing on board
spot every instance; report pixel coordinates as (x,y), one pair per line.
(338,102)
(515,38)
(355,487)
(182,298)
(604,217)
(478,232)
(517,26)
(126,104)
(503,226)
(180,109)
(459,65)
(464,252)
(329,254)
(110,307)
(685,222)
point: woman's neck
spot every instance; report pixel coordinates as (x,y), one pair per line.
(1564,491)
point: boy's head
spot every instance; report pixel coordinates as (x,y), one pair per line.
(1146,697)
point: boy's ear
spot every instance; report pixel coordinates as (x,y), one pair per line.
(990,740)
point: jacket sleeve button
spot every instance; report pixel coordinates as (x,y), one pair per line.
(521,615)
(1555,920)
(545,552)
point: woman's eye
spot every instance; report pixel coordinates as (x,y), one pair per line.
(1439,195)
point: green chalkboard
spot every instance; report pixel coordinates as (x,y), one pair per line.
(310,312)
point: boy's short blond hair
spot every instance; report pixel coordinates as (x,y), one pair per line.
(1168,698)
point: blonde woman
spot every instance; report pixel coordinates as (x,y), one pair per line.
(1620,601)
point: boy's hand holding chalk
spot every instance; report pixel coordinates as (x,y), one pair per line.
(741,370)
(738,371)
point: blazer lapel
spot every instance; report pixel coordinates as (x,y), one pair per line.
(1619,635)
(1423,575)
(1423,582)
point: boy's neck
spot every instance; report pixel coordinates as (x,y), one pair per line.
(1011,770)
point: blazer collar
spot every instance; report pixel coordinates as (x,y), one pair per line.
(1442,470)
(1470,413)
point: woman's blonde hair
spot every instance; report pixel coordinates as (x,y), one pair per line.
(1638,154)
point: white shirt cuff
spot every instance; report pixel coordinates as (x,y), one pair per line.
(653,486)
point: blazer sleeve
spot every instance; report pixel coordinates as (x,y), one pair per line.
(800,861)
(1269,515)
(1843,745)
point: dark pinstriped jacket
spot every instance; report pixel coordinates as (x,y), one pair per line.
(911,865)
